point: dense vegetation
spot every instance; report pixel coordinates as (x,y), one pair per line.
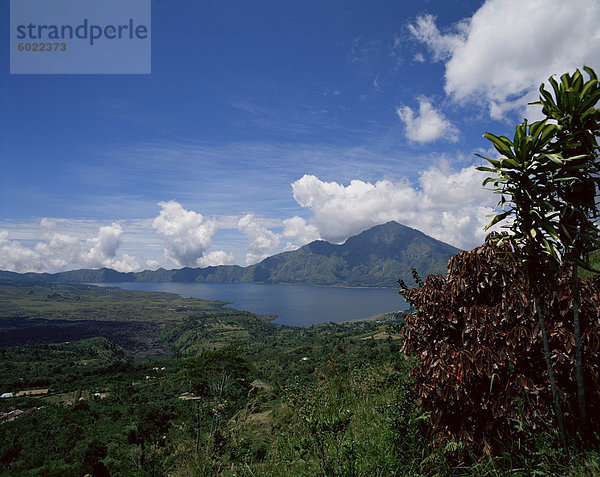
(223,399)
(237,395)
(375,258)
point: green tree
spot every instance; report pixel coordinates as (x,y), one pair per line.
(522,178)
(219,372)
(222,378)
(153,420)
(547,177)
(573,107)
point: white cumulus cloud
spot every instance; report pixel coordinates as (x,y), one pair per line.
(299,232)
(186,234)
(15,257)
(262,241)
(105,245)
(428,124)
(501,54)
(217,257)
(63,251)
(449,206)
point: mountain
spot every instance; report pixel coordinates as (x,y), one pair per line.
(375,258)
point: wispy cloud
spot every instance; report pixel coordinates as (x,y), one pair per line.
(228,178)
(364,50)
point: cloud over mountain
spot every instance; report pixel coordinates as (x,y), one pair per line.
(299,230)
(217,257)
(262,241)
(451,207)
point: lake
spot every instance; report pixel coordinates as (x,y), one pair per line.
(294,305)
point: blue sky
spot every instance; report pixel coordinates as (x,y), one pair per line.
(265,125)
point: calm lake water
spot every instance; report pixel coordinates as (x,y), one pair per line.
(295,305)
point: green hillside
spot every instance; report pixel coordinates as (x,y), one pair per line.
(377,257)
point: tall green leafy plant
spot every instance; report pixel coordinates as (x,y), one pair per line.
(572,105)
(522,176)
(548,177)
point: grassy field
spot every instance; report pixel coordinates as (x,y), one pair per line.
(147,324)
(86,302)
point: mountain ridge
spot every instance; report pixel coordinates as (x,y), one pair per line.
(376,257)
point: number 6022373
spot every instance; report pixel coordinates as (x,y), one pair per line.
(42,46)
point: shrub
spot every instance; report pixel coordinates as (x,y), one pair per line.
(482,372)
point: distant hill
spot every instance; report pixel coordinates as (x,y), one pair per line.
(374,258)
